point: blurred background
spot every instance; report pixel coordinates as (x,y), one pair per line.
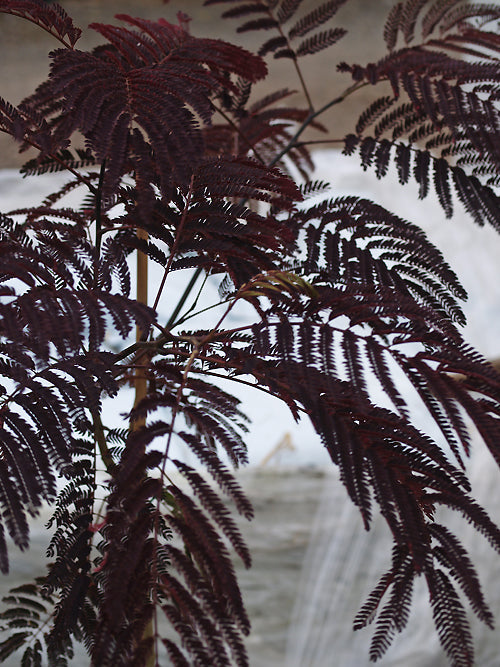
(24,50)
(313,562)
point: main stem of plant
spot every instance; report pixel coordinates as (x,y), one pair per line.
(141,388)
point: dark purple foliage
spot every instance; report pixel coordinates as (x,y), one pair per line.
(180,167)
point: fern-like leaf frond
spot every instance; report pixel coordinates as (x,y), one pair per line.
(53,19)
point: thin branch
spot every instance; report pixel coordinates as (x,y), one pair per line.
(296,65)
(247,383)
(100,439)
(176,242)
(142,279)
(98,222)
(140,344)
(223,364)
(240,133)
(187,316)
(315,114)
(197,297)
(184,297)
(57,159)
(318,141)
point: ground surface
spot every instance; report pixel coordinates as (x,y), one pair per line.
(313,566)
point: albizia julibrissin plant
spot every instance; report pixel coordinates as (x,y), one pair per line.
(181,169)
